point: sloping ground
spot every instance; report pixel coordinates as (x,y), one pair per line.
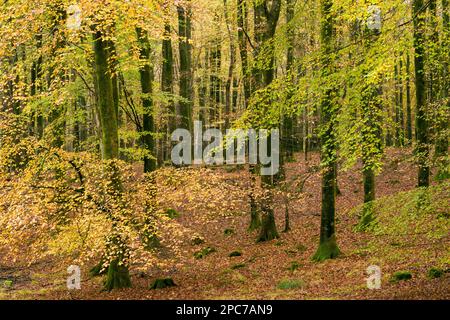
(410,233)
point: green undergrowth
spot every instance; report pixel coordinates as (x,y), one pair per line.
(408,226)
(400,276)
(288,284)
(406,216)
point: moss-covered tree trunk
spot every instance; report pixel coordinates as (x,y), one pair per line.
(422,148)
(167,86)
(409,134)
(117,274)
(105,98)
(215,59)
(441,153)
(287,223)
(185,51)
(146,79)
(401,114)
(267,14)
(328,248)
(305,132)
(242,14)
(56,117)
(399,132)
(8,101)
(432,60)
(203,90)
(371,132)
(268,227)
(255,220)
(113,64)
(287,132)
(371,152)
(229,82)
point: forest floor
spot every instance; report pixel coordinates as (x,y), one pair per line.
(282,269)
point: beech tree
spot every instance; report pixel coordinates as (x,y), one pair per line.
(91,91)
(147,77)
(185,51)
(422,150)
(328,108)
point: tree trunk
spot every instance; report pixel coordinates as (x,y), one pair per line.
(242,15)
(36,71)
(167,87)
(105,96)
(185,51)
(146,78)
(255,220)
(401,116)
(287,225)
(371,135)
(117,275)
(228,86)
(266,19)
(422,149)
(328,248)
(398,105)
(203,91)
(441,151)
(214,83)
(287,135)
(241,18)
(408,100)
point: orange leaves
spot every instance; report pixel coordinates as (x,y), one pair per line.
(66,204)
(205,192)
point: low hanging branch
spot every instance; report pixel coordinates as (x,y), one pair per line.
(133,116)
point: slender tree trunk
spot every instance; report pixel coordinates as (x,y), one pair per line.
(9,103)
(203,90)
(114,69)
(229,83)
(241,18)
(36,71)
(287,225)
(167,87)
(305,132)
(215,83)
(288,121)
(401,115)
(408,100)
(397,106)
(185,51)
(441,150)
(146,78)
(422,149)
(255,220)
(327,247)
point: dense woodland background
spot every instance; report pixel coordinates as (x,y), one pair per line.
(91,91)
